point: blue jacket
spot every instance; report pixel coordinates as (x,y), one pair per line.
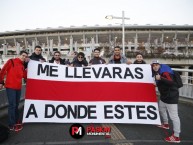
(165,68)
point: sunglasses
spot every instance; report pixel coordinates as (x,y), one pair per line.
(56,55)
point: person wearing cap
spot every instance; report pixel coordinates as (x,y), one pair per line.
(96,59)
(139,59)
(169,95)
(118,58)
(80,60)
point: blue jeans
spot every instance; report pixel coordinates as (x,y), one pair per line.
(13,100)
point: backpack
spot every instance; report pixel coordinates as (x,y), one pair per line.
(178,79)
(4,133)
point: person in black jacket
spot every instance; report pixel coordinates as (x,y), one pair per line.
(56,58)
(169,96)
(139,59)
(37,55)
(97,59)
(80,60)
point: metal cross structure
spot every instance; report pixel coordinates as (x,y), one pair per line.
(110,17)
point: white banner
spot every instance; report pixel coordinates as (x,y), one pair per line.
(97,94)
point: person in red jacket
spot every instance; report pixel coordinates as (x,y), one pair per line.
(14,72)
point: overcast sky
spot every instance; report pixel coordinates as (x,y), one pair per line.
(32,14)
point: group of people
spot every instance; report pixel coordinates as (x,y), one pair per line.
(15,70)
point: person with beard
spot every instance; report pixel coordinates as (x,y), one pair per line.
(80,61)
(56,59)
(118,58)
(139,59)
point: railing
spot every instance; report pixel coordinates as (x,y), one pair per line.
(187,89)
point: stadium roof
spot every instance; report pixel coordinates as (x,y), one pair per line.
(98,27)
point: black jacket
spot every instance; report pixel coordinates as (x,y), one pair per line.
(37,57)
(77,63)
(62,61)
(34,57)
(169,92)
(97,60)
(137,62)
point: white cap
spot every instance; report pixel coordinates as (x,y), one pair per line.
(155,62)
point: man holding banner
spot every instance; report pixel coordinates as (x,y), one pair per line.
(97,59)
(169,96)
(118,58)
(80,61)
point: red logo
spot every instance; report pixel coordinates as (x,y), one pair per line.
(98,130)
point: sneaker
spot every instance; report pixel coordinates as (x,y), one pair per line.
(11,128)
(19,123)
(164,126)
(18,128)
(172,139)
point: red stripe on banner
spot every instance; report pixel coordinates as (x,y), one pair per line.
(90,91)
